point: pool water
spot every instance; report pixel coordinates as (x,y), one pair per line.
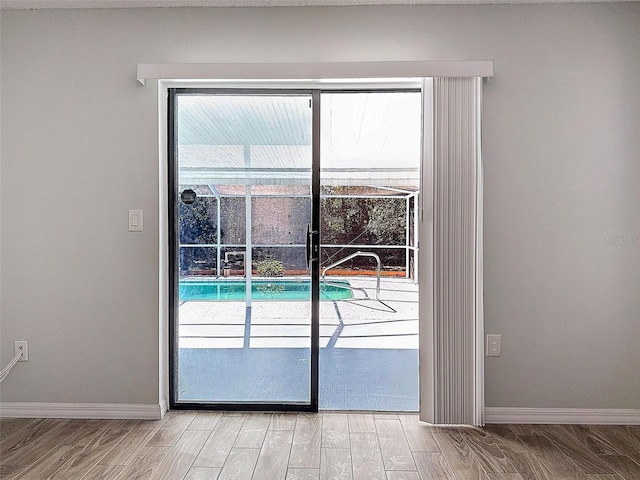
(260,290)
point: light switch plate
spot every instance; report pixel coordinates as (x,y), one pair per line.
(135,220)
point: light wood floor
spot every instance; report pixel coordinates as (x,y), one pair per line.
(258,446)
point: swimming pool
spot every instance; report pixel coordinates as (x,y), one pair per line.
(276,289)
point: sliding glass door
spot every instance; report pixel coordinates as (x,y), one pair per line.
(243,287)
(264,316)
(370,176)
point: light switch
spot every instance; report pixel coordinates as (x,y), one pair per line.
(135,220)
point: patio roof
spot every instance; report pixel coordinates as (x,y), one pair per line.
(266,140)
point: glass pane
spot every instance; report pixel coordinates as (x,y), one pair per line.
(197,261)
(371,138)
(289,261)
(363,221)
(198,222)
(370,155)
(244,331)
(361,190)
(233,261)
(392,261)
(280,220)
(284,190)
(232,220)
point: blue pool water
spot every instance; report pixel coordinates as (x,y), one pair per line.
(260,290)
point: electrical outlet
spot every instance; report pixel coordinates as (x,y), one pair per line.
(25,349)
(494,345)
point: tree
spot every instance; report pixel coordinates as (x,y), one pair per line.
(198,225)
(360,222)
(198,221)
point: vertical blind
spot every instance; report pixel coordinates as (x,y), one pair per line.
(452,327)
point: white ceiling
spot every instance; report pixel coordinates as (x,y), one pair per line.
(368,138)
(38,4)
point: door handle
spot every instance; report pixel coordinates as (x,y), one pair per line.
(309,250)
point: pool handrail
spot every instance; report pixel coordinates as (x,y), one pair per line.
(349,257)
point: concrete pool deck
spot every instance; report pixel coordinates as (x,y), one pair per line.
(368,348)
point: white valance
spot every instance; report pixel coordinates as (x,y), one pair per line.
(314,71)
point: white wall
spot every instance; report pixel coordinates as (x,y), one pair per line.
(562,174)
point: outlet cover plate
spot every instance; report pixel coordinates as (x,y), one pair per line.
(25,349)
(494,345)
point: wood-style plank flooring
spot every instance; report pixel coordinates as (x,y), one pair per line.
(324,446)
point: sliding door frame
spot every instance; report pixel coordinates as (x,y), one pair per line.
(172,173)
(173,248)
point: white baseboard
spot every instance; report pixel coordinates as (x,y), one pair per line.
(82,410)
(164,407)
(593,416)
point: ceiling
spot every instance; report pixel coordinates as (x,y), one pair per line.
(42,4)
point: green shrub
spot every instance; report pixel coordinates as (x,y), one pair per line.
(272,290)
(270,268)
